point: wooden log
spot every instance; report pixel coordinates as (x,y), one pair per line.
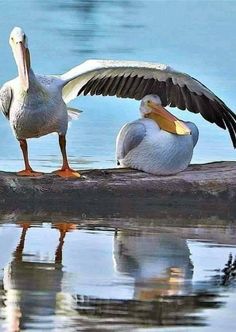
(202,191)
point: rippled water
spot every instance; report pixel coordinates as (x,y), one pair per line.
(80,276)
(193,36)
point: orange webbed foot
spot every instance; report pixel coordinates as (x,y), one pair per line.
(67,173)
(29,172)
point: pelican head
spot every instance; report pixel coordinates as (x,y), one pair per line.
(19,44)
(152,108)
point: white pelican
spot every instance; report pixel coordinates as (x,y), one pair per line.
(36,104)
(158,143)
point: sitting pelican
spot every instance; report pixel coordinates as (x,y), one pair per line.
(158,143)
(36,104)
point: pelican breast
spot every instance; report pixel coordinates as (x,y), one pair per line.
(40,111)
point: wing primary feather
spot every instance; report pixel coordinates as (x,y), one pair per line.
(88,86)
(108,86)
(221,109)
(94,86)
(180,102)
(169,85)
(205,111)
(160,88)
(230,120)
(231,112)
(173,96)
(122,84)
(187,98)
(128,85)
(114,86)
(149,87)
(141,90)
(230,129)
(100,88)
(218,114)
(194,104)
(134,86)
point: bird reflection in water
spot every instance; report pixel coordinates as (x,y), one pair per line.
(163,293)
(31,285)
(140,278)
(160,266)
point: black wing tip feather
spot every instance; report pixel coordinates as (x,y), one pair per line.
(229,118)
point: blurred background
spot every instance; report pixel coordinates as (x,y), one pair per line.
(196,37)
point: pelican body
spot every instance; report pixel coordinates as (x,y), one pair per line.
(40,111)
(36,104)
(144,145)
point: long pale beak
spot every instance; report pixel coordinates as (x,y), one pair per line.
(23,64)
(166,120)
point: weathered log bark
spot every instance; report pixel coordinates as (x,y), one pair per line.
(202,191)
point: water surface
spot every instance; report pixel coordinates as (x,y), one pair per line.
(73,277)
(193,36)
(68,275)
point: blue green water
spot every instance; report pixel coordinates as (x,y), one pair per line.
(197,37)
(79,276)
(72,276)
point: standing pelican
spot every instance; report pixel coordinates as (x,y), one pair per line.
(36,105)
(158,143)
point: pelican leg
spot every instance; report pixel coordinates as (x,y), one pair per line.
(28,171)
(65,171)
(63,229)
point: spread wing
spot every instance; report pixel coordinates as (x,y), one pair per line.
(130,79)
(129,137)
(5,100)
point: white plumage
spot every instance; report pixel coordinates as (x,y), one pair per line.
(40,111)
(160,152)
(143,145)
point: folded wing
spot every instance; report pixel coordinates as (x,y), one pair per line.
(5,100)
(129,137)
